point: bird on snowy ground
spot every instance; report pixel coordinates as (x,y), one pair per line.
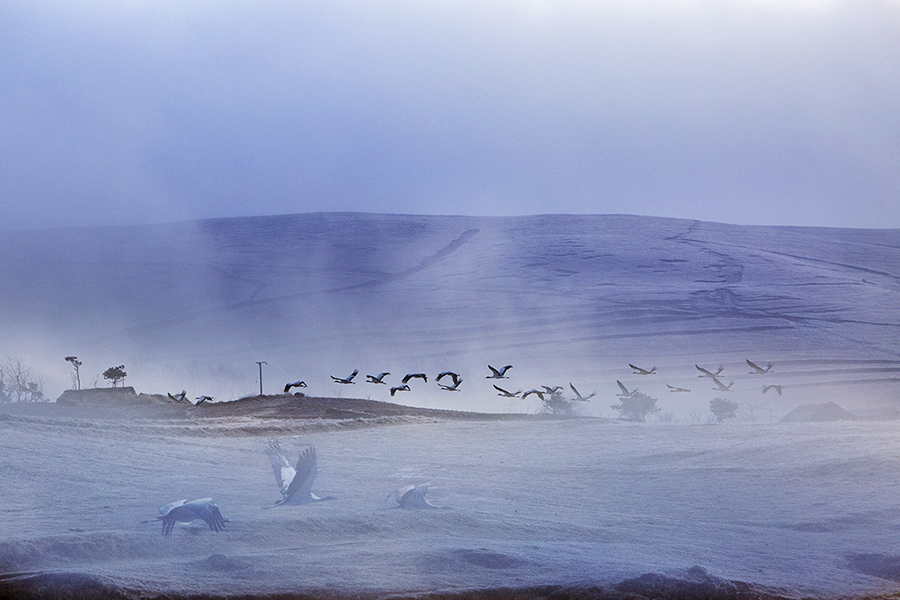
(399,388)
(758,370)
(507,394)
(578,395)
(413,496)
(766,388)
(294,482)
(501,374)
(346,380)
(625,393)
(640,371)
(721,387)
(707,372)
(288,386)
(185,512)
(379,379)
(672,388)
(409,376)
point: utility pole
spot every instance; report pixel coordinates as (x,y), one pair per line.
(261,363)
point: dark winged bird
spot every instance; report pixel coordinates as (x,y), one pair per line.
(507,394)
(758,370)
(413,496)
(348,379)
(552,390)
(452,388)
(454,376)
(202,399)
(578,395)
(185,512)
(501,374)
(409,376)
(288,386)
(777,388)
(721,387)
(640,371)
(625,393)
(538,393)
(179,397)
(379,379)
(295,483)
(672,388)
(399,388)
(707,372)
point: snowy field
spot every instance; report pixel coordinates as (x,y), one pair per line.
(801,509)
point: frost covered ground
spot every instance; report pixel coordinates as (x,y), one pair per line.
(801,509)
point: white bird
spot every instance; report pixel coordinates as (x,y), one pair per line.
(757,370)
(413,496)
(640,371)
(672,388)
(501,374)
(507,394)
(707,372)
(578,395)
(455,376)
(345,380)
(399,388)
(452,388)
(552,390)
(539,393)
(379,379)
(288,386)
(296,482)
(202,399)
(722,387)
(409,376)
(625,393)
(185,512)
(179,398)
(777,388)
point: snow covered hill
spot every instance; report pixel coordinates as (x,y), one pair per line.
(562,298)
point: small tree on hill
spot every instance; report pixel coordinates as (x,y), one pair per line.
(723,409)
(115,375)
(76,378)
(555,404)
(636,407)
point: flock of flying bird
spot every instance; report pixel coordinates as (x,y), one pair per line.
(294,483)
(714,375)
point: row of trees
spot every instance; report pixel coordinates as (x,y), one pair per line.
(18,383)
(637,407)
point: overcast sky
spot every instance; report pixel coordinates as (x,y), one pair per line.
(742,111)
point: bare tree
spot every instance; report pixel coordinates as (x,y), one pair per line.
(76,378)
(18,384)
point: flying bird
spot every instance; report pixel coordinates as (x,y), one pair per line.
(202,399)
(507,394)
(455,376)
(766,388)
(625,393)
(409,376)
(578,395)
(178,398)
(185,512)
(295,482)
(288,386)
(757,370)
(399,388)
(501,374)
(672,388)
(538,393)
(707,372)
(722,387)
(451,388)
(552,390)
(379,379)
(640,371)
(413,496)
(348,379)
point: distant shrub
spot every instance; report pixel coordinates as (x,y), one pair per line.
(636,407)
(723,409)
(555,404)
(115,375)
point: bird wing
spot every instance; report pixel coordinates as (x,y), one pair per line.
(502,391)
(407,377)
(495,372)
(207,510)
(622,387)
(305,474)
(284,472)
(353,374)
(704,371)
(636,368)
(505,369)
(164,510)
(577,393)
(753,365)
